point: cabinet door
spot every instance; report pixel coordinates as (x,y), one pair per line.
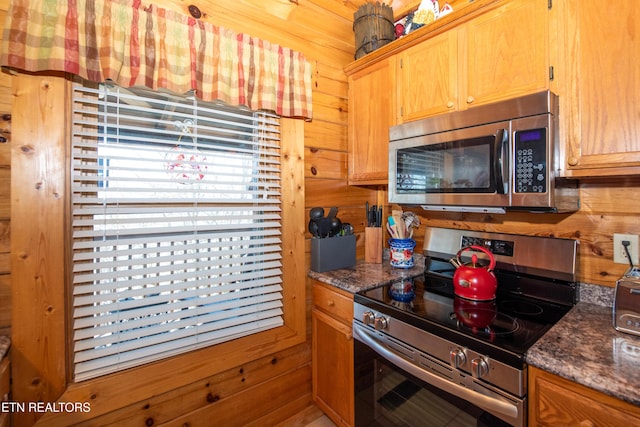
(332,353)
(371,113)
(555,401)
(428,77)
(504,53)
(600,88)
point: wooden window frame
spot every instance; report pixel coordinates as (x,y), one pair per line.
(41,360)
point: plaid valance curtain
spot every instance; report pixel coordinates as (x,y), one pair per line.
(134,45)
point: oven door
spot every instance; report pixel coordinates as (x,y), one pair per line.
(398,386)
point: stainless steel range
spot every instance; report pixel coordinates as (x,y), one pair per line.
(426,357)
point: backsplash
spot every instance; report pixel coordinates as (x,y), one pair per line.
(596,294)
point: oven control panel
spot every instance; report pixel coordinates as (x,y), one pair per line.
(497,247)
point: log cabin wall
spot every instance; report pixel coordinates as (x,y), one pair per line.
(5,180)
(272,387)
(607,207)
(322,30)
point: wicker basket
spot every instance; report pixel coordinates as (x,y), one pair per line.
(373,27)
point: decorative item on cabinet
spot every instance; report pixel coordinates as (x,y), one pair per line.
(427,12)
(373,27)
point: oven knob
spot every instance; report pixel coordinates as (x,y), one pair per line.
(457,357)
(379,323)
(368,317)
(479,367)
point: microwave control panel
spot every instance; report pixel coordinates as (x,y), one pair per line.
(530,172)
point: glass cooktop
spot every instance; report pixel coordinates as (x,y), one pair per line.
(511,323)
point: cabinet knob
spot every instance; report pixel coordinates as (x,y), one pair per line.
(586,423)
(573,161)
(330,303)
(450,104)
(470,99)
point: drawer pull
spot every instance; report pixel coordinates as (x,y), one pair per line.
(331,303)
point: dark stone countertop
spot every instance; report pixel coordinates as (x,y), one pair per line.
(365,276)
(585,348)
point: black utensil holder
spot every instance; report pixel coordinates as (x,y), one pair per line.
(332,253)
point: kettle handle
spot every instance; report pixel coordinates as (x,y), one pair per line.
(492,259)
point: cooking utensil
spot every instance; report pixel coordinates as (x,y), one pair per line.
(313,228)
(321,226)
(393,229)
(346,230)
(473,280)
(411,220)
(316,213)
(335,225)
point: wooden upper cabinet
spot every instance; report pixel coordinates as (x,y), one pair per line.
(599,86)
(500,54)
(371,113)
(428,77)
(504,53)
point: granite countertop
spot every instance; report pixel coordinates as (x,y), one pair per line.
(585,348)
(365,276)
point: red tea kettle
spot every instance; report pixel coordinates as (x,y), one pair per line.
(474,281)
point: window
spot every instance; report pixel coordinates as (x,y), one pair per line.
(175,223)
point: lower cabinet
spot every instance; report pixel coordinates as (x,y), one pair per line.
(555,401)
(332,352)
(5,385)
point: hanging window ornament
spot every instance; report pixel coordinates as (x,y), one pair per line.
(184,163)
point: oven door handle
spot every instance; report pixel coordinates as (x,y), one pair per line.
(486,403)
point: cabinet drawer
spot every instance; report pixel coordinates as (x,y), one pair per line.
(333,301)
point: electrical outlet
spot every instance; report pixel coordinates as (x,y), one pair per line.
(619,254)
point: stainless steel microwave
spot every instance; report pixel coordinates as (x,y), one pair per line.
(492,158)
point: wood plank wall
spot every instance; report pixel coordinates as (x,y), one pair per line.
(322,29)
(607,206)
(273,387)
(5,196)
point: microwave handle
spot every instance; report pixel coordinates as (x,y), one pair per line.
(501,160)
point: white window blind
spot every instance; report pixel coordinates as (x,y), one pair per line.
(175,224)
